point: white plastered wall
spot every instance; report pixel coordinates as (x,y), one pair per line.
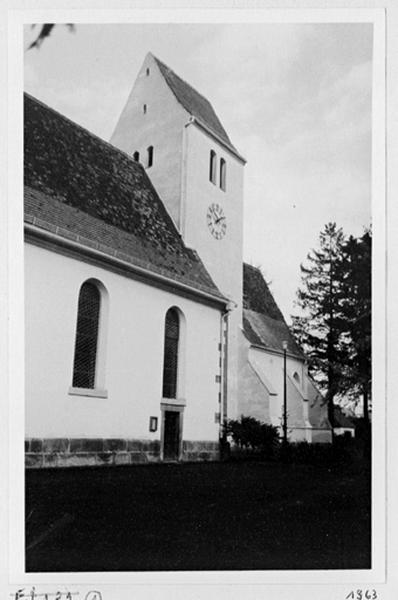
(161,126)
(254,397)
(307,412)
(222,257)
(133,360)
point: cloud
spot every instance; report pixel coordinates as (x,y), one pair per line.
(294,98)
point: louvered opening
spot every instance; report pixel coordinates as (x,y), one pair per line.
(223,175)
(213,167)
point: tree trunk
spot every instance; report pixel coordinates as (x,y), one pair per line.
(368,431)
(366,406)
(330,405)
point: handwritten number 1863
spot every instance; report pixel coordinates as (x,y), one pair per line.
(362,595)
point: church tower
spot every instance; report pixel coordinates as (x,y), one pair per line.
(175,133)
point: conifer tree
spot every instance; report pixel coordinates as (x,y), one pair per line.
(321,329)
(356,304)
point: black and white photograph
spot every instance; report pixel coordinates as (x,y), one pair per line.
(203,233)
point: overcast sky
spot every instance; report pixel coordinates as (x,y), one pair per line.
(295,100)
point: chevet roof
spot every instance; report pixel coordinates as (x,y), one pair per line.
(85,189)
(263,322)
(196,104)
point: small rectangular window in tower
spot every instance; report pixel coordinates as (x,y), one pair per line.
(147,72)
(213,167)
(144,109)
(223,174)
(150,156)
(136,156)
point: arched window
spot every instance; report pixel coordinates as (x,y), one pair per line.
(170,360)
(213,167)
(85,360)
(136,156)
(150,156)
(223,174)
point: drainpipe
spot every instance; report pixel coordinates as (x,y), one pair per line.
(224,330)
(284,345)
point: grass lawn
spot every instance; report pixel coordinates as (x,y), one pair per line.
(210,516)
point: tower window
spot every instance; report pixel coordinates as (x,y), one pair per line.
(136,156)
(213,167)
(170,360)
(85,360)
(147,72)
(150,156)
(223,174)
(144,109)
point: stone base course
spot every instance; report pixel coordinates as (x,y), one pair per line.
(75,452)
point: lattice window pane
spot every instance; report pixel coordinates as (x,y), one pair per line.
(170,361)
(86,337)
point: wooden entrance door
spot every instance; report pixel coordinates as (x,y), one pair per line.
(171,435)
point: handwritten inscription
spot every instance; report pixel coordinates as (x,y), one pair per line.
(32,594)
(362,595)
(94,595)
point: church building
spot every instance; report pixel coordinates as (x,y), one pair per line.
(145,331)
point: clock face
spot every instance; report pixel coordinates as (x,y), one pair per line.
(216,221)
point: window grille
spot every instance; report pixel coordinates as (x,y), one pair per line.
(213,166)
(223,174)
(170,361)
(86,337)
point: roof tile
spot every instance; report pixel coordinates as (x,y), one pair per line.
(263,322)
(196,104)
(79,183)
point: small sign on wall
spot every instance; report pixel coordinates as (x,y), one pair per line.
(153,423)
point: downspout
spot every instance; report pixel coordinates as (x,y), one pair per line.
(223,394)
(306,412)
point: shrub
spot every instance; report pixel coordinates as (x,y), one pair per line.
(252,435)
(342,453)
(313,454)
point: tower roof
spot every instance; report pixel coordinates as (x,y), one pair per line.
(193,102)
(83,188)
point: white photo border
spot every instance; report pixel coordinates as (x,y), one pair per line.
(153,584)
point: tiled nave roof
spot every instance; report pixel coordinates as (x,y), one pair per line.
(85,186)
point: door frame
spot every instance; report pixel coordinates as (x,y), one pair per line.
(166,407)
